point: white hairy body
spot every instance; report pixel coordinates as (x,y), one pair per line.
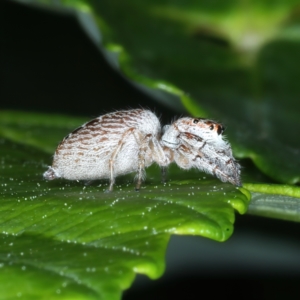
(108,146)
(129,141)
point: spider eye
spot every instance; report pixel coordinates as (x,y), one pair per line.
(195,121)
(211,127)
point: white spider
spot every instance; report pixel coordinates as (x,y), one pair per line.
(129,141)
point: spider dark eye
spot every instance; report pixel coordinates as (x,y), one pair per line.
(195,121)
(211,127)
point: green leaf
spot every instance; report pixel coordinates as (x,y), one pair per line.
(43,131)
(235,61)
(67,240)
(275,201)
(284,190)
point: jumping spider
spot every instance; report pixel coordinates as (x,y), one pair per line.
(128,141)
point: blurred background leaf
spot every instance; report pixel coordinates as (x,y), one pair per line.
(236,60)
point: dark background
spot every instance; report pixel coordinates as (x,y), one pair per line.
(48,64)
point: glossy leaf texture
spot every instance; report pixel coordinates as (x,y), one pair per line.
(275,201)
(234,61)
(69,240)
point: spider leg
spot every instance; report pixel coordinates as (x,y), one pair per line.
(200,154)
(113,158)
(141,158)
(163,174)
(189,140)
(209,166)
(163,157)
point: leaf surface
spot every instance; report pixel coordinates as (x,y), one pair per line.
(68,240)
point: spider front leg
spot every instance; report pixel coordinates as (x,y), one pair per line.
(188,157)
(209,158)
(184,156)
